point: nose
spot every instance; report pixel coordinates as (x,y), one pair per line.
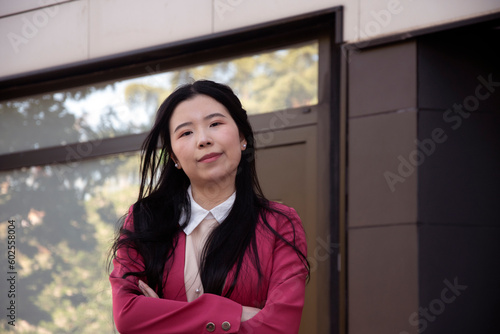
(204,139)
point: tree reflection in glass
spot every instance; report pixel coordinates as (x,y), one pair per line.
(64,225)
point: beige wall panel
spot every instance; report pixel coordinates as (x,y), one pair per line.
(124,25)
(232,14)
(383,279)
(382,182)
(9,7)
(384,17)
(43,38)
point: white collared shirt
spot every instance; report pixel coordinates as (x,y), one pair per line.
(198,214)
(200,225)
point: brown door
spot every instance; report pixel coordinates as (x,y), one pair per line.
(287,166)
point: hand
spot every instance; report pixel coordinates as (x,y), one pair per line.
(146,290)
(248,313)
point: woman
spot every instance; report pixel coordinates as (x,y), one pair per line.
(202,250)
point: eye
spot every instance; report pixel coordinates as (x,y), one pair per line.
(215,124)
(186,133)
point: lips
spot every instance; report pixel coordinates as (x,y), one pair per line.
(210,157)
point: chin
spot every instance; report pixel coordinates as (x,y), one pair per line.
(218,177)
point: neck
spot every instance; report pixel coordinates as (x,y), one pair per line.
(209,195)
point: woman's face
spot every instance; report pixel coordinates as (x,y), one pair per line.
(205,140)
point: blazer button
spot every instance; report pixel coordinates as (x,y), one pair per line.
(226,325)
(210,327)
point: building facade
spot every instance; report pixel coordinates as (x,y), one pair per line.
(376,120)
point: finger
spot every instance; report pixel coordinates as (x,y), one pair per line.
(146,290)
(249,312)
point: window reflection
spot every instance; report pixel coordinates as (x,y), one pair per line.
(65,223)
(269,81)
(264,82)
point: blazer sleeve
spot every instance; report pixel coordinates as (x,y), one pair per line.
(135,313)
(283,308)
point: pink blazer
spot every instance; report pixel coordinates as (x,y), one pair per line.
(280,294)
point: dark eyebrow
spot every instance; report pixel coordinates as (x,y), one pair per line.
(214,115)
(182,125)
(206,117)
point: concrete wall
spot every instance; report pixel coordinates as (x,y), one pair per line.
(46,33)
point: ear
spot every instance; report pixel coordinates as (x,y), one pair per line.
(243,142)
(176,162)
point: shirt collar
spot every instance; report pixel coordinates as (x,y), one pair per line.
(198,214)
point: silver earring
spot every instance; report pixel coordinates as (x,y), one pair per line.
(244,145)
(176,165)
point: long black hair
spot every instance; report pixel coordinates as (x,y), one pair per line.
(163,197)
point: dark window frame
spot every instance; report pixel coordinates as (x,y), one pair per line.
(213,47)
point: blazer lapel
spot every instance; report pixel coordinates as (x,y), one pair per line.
(174,287)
